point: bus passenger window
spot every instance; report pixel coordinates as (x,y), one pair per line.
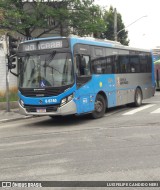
(83,65)
(143,63)
(134,64)
(132,69)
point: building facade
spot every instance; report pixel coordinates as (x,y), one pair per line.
(4,74)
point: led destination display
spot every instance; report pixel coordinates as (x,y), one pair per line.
(43,45)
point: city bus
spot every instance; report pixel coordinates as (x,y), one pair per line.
(156,60)
(157,73)
(61,76)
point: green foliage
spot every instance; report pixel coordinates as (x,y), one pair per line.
(109,33)
(80,17)
(86,21)
(13,96)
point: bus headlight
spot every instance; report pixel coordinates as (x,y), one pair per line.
(70,97)
(66,100)
(22,103)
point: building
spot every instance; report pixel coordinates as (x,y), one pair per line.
(156,53)
(3,72)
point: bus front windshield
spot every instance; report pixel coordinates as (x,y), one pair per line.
(46,70)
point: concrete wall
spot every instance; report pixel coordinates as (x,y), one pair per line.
(2,72)
(11,78)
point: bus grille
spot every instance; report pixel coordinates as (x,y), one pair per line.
(43,92)
(50,108)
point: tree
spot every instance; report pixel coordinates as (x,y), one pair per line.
(2,31)
(87,21)
(68,16)
(109,33)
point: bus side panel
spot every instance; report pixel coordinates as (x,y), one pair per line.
(84,98)
(86,95)
(127,84)
(106,83)
(157,75)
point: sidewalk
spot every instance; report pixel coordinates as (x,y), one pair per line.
(13,115)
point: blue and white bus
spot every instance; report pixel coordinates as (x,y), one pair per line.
(60,76)
(156,59)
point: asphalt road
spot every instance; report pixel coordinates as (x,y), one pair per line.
(123,145)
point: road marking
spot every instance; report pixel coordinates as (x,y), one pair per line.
(152,102)
(138,109)
(114,112)
(156,111)
(3,120)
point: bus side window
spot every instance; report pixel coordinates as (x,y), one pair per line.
(149,63)
(132,68)
(134,64)
(83,65)
(116,64)
(143,63)
(77,63)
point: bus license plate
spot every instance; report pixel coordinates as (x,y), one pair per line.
(41,110)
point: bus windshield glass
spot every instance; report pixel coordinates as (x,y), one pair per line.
(46,70)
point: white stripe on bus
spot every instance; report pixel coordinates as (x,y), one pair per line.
(138,109)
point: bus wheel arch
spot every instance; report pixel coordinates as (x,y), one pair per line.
(99,105)
(138,97)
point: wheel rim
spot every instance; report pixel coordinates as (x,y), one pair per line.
(138,97)
(98,106)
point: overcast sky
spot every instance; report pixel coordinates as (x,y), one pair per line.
(145,32)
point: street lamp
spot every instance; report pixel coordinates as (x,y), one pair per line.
(116,34)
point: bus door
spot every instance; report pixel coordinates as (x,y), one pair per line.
(83,77)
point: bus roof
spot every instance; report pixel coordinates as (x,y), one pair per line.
(91,41)
(105,43)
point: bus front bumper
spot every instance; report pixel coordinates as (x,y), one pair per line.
(67,109)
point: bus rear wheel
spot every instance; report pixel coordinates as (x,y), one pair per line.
(138,97)
(99,107)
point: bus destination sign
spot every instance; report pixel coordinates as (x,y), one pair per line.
(43,45)
(50,45)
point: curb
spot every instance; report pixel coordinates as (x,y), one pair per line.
(14,119)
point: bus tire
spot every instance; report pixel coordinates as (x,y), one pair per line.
(99,107)
(138,97)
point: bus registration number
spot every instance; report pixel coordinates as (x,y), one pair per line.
(50,101)
(41,110)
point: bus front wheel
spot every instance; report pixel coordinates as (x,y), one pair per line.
(138,97)
(99,107)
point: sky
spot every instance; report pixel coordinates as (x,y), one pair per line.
(145,16)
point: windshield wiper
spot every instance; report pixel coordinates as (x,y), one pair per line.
(50,58)
(47,61)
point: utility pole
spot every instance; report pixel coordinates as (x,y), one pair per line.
(115,24)
(7,74)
